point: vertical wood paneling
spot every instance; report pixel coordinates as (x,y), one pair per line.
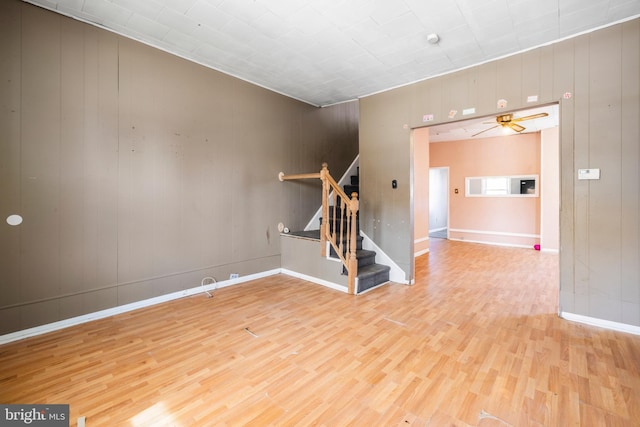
(580,154)
(487,88)
(426,100)
(39,313)
(102,168)
(92,163)
(531,75)
(546,77)
(217,168)
(191,203)
(605,128)
(509,81)
(71,306)
(40,144)
(99,300)
(252,226)
(459,92)
(137,174)
(630,172)
(10,158)
(72,156)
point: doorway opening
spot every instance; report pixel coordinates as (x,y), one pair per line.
(534,223)
(439,202)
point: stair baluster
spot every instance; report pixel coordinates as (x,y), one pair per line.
(335,232)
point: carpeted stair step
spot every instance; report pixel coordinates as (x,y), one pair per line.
(365,257)
(372,275)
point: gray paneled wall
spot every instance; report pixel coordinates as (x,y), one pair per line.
(599,128)
(139,173)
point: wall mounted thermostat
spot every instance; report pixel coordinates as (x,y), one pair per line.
(588,174)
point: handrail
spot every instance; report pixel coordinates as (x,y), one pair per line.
(341,230)
(283,177)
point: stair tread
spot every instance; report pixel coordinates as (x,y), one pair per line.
(309,234)
(372,269)
(363,253)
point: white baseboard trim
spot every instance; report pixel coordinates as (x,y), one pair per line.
(484,242)
(437,229)
(422,252)
(73,321)
(601,323)
(420,240)
(396,274)
(550,251)
(494,233)
(315,280)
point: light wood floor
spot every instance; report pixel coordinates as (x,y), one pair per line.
(475,342)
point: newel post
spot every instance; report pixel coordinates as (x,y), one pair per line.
(325,209)
(354,205)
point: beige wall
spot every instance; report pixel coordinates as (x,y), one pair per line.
(599,128)
(550,190)
(139,173)
(511,221)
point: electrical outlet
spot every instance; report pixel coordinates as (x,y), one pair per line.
(234,276)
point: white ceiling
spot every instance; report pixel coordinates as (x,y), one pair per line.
(329,51)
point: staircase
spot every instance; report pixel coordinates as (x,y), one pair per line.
(342,216)
(369,274)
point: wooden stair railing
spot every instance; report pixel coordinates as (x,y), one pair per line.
(341,229)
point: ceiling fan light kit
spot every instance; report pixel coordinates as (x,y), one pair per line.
(508,122)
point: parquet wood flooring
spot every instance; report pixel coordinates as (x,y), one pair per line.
(475,342)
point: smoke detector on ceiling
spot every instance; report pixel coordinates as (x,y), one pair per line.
(433,38)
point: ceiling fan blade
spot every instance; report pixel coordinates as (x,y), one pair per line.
(482,131)
(533,116)
(516,127)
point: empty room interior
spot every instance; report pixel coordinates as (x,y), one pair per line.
(367,213)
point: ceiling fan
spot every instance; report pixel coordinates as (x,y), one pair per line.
(507,121)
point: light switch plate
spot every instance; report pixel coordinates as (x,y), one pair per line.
(588,173)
